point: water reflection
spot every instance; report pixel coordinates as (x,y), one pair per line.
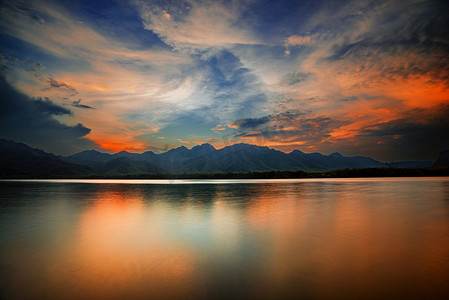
(320,239)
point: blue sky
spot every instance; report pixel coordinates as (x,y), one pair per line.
(359,77)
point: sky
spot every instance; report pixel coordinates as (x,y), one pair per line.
(357,77)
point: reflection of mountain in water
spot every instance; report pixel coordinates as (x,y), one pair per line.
(273,239)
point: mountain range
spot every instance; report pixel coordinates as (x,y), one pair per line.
(18,159)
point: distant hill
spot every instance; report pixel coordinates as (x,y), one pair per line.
(235,158)
(124,165)
(21,160)
(410,164)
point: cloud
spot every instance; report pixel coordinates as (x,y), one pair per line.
(108,71)
(294,78)
(296,40)
(216,90)
(46,106)
(53,83)
(321,77)
(218,128)
(420,132)
(196,25)
(23,119)
(77,103)
(250,123)
(184,142)
(286,131)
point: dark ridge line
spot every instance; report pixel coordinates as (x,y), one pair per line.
(341,173)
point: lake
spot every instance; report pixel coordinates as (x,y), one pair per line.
(374,238)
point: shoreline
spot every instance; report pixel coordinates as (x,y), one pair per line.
(340,173)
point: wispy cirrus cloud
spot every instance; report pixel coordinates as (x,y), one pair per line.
(99,69)
(197,25)
(288,74)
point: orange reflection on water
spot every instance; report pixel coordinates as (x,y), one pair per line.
(348,242)
(120,252)
(283,222)
(282,239)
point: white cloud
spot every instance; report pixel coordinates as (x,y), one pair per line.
(199,26)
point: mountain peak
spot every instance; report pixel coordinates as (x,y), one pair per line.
(123,151)
(204,147)
(91,151)
(148,153)
(296,152)
(336,155)
(182,148)
(242,146)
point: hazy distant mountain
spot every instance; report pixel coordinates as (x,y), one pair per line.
(21,160)
(235,158)
(88,158)
(411,164)
(320,162)
(443,159)
(124,165)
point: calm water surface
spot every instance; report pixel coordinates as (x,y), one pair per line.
(194,239)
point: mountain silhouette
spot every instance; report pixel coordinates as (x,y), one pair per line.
(236,158)
(20,160)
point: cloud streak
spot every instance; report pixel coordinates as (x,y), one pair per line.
(196,25)
(322,76)
(32,121)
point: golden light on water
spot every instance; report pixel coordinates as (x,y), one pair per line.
(310,238)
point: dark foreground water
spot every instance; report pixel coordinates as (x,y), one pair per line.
(275,239)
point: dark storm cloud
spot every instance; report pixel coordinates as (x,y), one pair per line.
(77,103)
(288,127)
(12,66)
(417,31)
(284,119)
(46,106)
(10,63)
(251,123)
(421,133)
(24,8)
(31,121)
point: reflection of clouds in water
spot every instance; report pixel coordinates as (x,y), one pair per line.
(149,238)
(273,239)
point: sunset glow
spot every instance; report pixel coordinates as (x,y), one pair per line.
(361,78)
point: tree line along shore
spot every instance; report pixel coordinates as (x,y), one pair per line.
(342,173)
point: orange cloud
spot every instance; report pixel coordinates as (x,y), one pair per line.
(249,135)
(420,91)
(219,127)
(295,40)
(233,125)
(166,15)
(184,142)
(117,144)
